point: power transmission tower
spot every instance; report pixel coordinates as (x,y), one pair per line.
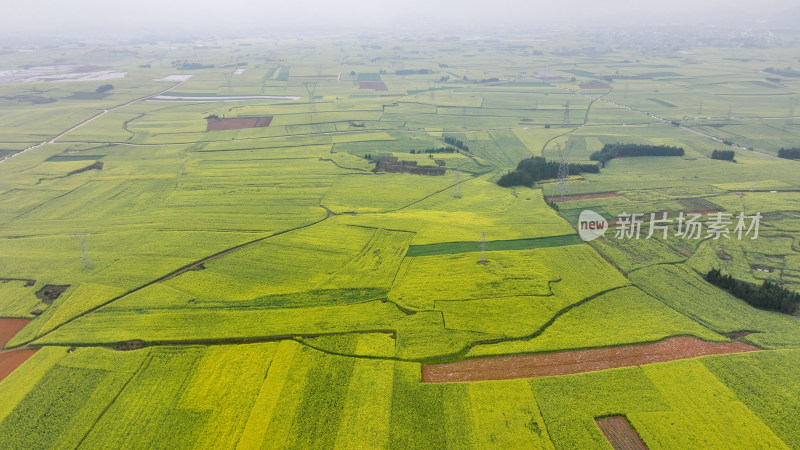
(311,87)
(700,110)
(792,106)
(228,78)
(752,186)
(457,188)
(730,113)
(183,162)
(464,117)
(85,260)
(566,113)
(563,169)
(483,261)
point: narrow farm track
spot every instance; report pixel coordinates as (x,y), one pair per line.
(180,271)
(91,119)
(645,113)
(578,361)
(585,121)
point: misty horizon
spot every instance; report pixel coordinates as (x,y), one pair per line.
(92,18)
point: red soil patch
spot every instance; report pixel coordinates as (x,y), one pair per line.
(620,433)
(12,359)
(237,123)
(576,361)
(376,85)
(9,328)
(582,196)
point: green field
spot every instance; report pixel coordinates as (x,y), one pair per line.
(266,288)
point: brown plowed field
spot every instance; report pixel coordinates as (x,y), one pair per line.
(376,85)
(620,433)
(576,361)
(237,123)
(9,328)
(11,359)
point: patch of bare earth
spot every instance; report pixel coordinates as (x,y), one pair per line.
(577,361)
(237,123)
(51,292)
(9,328)
(620,433)
(11,359)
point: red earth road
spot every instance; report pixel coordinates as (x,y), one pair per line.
(576,361)
(620,433)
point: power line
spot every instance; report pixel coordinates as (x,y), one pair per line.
(457,188)
(311,88)
(482,244)
(563,169)
(85,259)
(792,106)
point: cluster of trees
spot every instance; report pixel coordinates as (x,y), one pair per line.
(456,143)
(767,296)
(368,156)
(611,151)
(435,150)
(787,72)
(104,88)
(538,168)
(413,71)
(789,153)
(725,155)
(185,65)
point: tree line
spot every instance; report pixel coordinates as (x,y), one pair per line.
(789,153)
(724,155)
(611,151)
(435,150)
(451,140)
(412,71)
(531,170)
(767,296)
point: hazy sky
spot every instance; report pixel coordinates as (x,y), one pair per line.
(34,17)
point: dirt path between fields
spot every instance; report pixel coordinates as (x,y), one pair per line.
(577,361)
(184,269)
(89,120)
